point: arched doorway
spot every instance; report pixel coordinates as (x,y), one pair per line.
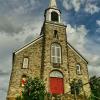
(56,82)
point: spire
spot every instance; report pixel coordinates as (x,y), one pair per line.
(53,4)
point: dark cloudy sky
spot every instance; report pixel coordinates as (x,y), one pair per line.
(21,21)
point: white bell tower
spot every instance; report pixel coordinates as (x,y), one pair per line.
(52,13)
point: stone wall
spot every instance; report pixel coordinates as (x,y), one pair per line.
(75,58)
(33,52)
(49,28)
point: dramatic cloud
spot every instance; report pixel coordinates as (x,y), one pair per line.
(77,36)
(4,80)
(21,22)
(98,22)
(14,14)
(92,8)
(10,43)
(9,26)
(72,4)
(18,6)
(89,6)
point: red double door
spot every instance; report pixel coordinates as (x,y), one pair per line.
(56,85)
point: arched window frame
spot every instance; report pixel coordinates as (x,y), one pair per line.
(56,73)
(54,16)
(56,53)
(78,69)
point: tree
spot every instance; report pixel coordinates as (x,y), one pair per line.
(95,87)
(75,87)
(34,89)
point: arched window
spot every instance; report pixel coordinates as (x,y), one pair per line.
(54,16)
(78,69)
(55,53)
(56,82)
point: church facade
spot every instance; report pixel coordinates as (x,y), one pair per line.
(51,58)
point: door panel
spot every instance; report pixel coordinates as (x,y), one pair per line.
(56,85)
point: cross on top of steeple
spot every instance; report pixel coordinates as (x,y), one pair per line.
(53,4)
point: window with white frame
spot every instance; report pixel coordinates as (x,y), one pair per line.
(25,62)
(78,69)
(55,53)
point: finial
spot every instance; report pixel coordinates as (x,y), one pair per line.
(53,4)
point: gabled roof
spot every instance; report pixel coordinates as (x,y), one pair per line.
(29,44)
(76,52)
(40,37)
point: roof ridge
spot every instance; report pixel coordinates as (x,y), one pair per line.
(77,52)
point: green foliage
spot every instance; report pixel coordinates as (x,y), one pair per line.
(75,87)
(19,98)
(34,89)
(95,88)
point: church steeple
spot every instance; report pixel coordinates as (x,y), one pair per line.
(53,14)
(52,4)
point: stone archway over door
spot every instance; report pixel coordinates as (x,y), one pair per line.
(56,83)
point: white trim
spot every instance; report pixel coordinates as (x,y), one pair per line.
(29,44)
(25,62)
(48,15)
(78,69)
(76,52)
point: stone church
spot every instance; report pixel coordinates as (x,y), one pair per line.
(51,58)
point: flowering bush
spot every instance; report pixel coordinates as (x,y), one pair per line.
(34,89)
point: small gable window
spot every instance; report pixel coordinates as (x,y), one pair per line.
(54,16)
(78,69)
(56,53)
(25,62)
(23,80)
